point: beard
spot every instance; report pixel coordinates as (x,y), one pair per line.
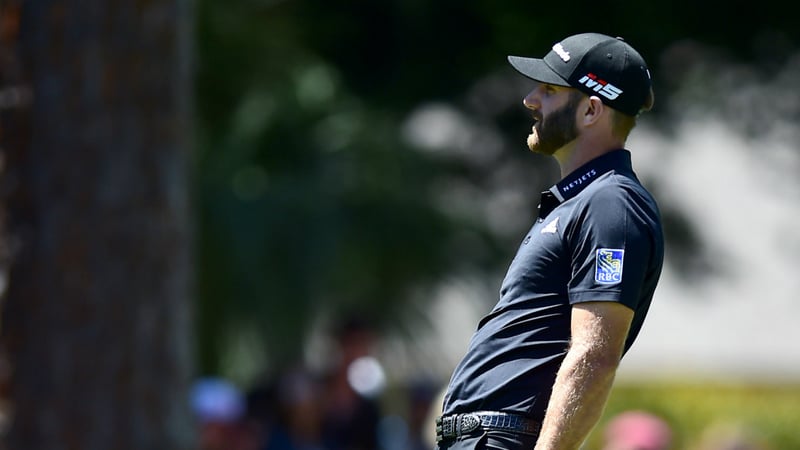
(556,130)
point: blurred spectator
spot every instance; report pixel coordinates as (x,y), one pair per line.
(352,388)
(262,411)
(435,410)
(422,395)
(637,430)
(296,421)
(219,408)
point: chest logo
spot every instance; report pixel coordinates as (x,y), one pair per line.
(608,266)
(551,227)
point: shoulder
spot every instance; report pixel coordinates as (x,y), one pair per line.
(616,191)
(615,201)
(608,194)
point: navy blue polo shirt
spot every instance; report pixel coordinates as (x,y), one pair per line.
(598,237)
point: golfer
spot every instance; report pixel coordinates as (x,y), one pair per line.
(540,366)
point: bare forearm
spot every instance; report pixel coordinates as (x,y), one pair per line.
(579,396)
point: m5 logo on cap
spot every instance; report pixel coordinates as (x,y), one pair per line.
(602,87)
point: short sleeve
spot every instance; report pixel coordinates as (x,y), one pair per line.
(610,248)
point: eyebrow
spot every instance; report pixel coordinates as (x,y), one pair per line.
(554,87)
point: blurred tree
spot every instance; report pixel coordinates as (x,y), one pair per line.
(95,139)
(310,199)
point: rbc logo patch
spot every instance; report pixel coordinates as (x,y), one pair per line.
(608,268)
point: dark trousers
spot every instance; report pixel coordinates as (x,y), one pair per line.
(490,440)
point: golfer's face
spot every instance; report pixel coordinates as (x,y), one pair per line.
(553,110)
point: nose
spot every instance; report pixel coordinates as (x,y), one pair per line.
(532,100)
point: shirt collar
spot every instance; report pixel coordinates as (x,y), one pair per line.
(582,177)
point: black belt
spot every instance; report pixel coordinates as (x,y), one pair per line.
(456,425)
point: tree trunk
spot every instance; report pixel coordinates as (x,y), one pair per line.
(95,320)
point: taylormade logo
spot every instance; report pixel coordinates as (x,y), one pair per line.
(602,87)
(563,54)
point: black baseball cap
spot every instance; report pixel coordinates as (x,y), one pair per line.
(595,64)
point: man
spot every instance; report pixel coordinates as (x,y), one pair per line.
(540,365)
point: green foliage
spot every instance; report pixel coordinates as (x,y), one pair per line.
(766,414)
(308,198)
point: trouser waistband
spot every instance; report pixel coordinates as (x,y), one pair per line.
(457,425)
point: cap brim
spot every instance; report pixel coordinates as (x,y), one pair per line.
(536,69)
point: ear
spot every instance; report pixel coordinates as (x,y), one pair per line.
(593,110)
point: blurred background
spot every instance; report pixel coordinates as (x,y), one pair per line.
(274,224)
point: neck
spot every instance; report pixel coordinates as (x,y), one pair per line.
(579,152)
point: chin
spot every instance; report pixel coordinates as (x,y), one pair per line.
(533,142)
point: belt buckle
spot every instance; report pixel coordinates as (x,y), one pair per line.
(468,423)
(445,428)
(456,425)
